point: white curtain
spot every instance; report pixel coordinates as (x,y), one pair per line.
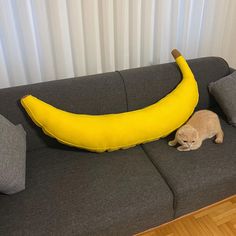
(43,40)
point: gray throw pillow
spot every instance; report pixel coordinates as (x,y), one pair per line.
(12,157)
(224,91)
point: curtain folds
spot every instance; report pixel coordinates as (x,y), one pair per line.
(43,40)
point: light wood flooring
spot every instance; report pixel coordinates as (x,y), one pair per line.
(218,219)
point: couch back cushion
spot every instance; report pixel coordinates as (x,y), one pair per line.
(145,86)
(96,94)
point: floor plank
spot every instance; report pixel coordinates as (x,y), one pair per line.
(218,219)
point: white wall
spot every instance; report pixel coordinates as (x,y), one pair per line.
(44,40)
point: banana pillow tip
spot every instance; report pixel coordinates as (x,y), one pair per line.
(24,98)
(175,53)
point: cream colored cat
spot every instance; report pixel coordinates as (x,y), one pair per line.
(202,125)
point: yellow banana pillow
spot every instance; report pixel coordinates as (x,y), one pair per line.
(110,132)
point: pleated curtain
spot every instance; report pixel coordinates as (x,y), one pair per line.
(42,40)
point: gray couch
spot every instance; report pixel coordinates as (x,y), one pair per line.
(75,192)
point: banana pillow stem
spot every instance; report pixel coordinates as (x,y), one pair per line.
(181,62)
(111,132)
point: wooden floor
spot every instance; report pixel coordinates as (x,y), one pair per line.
(216,220)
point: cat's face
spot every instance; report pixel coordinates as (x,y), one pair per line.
(187,136)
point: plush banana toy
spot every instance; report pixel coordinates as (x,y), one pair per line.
(111,132)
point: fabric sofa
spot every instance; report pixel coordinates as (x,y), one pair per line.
(76,192)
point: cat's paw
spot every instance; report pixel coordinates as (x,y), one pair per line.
(219,140)
(183,149)
(172,143)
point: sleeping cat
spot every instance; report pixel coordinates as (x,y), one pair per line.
(202,125)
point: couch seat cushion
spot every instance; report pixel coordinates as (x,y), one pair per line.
(73,192)
(200,177)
